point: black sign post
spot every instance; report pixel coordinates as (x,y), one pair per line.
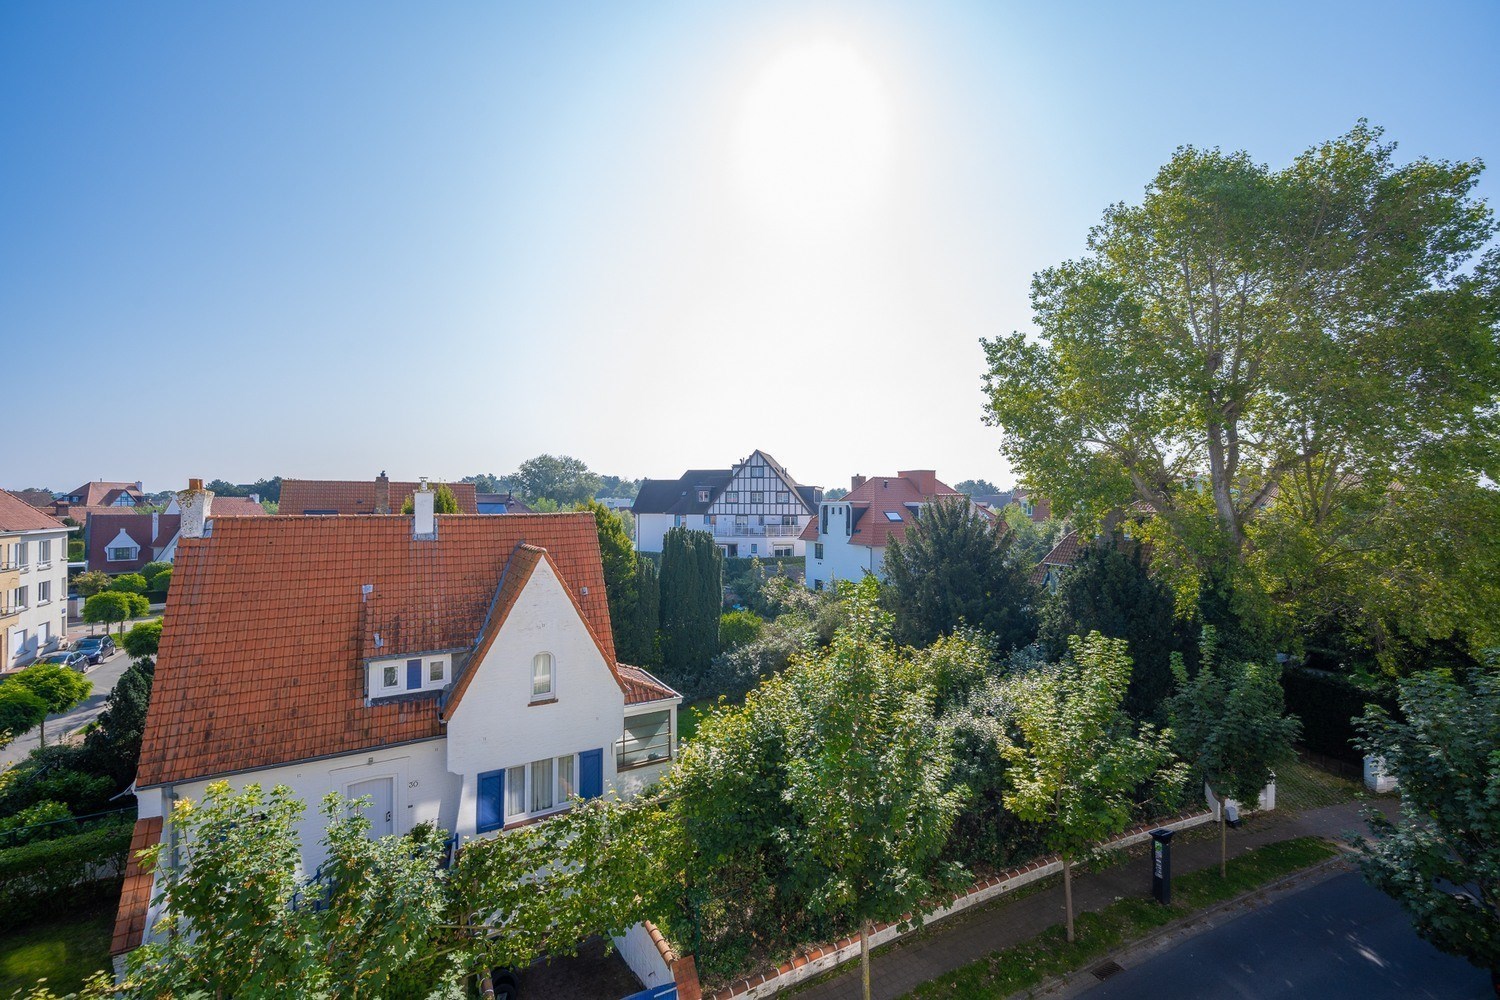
(1161,866)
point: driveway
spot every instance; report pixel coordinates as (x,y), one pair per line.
(104,675)
(1336,938)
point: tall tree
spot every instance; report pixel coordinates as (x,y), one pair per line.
(1244,327)
(556,477)
(113,744)
(692,569)
(951,570)
(868,774)
(59,688)
(1229,723)
(618,554)
(443,501)
(638,642)
(20,709)
(1077,762)
(1109,590)
(1441,860)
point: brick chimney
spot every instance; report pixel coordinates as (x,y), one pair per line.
(855,482)
(423,505)
(382,493)
(925,480)
(196,503)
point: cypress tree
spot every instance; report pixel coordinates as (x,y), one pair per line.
(636,641)
(692,569)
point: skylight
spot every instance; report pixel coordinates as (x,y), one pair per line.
(893,515)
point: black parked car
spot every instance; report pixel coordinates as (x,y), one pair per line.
(70,658)
(95,647)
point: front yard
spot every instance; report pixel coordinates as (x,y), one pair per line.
(64,950)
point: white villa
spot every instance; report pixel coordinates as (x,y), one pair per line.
(33,582)
(755,508)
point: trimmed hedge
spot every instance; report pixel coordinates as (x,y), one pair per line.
(48,876)
(1328,704)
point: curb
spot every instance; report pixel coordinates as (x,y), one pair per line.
(1170,936)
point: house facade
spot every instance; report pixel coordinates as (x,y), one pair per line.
(98,497)
(33,583)
(754,509)
(118,543)
(848,538)
(380,495)
(455,669)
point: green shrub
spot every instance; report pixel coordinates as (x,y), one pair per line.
(128,583)
(738,628)
(48,875)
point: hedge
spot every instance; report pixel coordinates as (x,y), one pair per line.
(48,876)
(1328,704)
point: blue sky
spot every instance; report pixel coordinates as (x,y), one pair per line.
(321,240)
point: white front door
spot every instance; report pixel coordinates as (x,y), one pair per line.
(381,810)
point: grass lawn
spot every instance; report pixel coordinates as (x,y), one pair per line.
(1303,786)
(65,951)
(1049,954)
(689,716)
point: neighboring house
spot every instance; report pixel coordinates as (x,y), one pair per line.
(753,509)
(458,670)
(124,543)
(501,503)
(1049,571)
(98,497)
(350,496)
(33,582)
(1034,507)
(37,498)
(848,538)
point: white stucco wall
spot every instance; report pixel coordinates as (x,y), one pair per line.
(651,530)
(842,560)
(23,639)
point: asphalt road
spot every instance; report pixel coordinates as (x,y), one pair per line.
(104,676)
(1338,938)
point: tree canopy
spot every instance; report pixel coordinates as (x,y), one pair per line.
(692,569)
(443,501)
(977,486)
(59,688)
(562,478)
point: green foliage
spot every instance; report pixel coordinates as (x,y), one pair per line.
(38,821)
(1110,591)
(752,582)
(47,875)
(443,501)
(151,569)
(562,478)
(1441,861)
(1076,766)
(618,554)
(545,505)
(143,638)
(952,569)
(691,587)
(977,486)
(1030,540)
(58,773)
(76,550)
(160,583)
(108,607)
(90,583)
(738,628)
(1248,335)
(20,710)
(129,583)
(957,665)
(636,642)
(113,744)
(58,687)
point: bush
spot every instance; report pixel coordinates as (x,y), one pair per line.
(152,569)
(57,774)
(732,673)
(1327,704)
(46,815)
(51,875)
(738,628)
(128,583)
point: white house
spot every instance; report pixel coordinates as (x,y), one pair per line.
(848,538)
(456,669)
(33,582)
(754,509)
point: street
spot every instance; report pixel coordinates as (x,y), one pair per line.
(1338,938)
(103,676)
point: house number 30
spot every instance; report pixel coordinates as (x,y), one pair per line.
(412,784)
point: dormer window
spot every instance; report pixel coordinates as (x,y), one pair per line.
(542,677)
(408,675)
(703,496)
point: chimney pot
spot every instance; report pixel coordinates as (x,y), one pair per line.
(856,481)
(424,521)
(196,504)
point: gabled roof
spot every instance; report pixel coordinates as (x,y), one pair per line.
(680,496)
(357,496)
(873,499)
(248,682)
(501,503)
(1065,553)
(102,494)
(35,497)
(236,507)
(135,894)
(18,515)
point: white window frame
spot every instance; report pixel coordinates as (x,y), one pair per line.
(21,557)
(550,693)
(110,555)
(523,791)
(44,553)
(390,677)
(439,663)
(620,752)
(44,592)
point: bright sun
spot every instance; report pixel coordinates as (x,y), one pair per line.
(814,136)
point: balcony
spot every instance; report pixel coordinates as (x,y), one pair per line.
(757,530)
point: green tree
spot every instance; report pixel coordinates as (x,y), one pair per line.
(691,596)
(161,583)
(1245,327)
(618,556)
(1077,763)
(951,569)
(1110,591)
(77,552)
(128,583)
(1029,540)
(143,639)
(113,744)
(1229,723)
(108,607)
(981,487)
(151,569)
(59,688)
(555,477)
(738,628)
(20,709)
(488,483)
(443,501)
(90,583)
(868,774)
(1441,860)
(637,643)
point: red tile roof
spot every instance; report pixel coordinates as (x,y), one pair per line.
(1063,554)
(135,895)
(236,507)
(102,494)
(103,529)
(355,496)
(262,657)
(642,686)
(18,515)
(874,497)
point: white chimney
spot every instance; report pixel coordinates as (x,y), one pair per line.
(195,502)
(424,522)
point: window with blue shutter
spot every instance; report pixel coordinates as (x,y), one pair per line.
(413,675)
(491,801)
(591,774)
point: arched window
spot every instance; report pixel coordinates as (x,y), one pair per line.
(542,679)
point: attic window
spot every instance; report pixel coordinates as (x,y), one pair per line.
(893,515)
(703,496)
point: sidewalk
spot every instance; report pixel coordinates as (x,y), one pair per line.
(969,937)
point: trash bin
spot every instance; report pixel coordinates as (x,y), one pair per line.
(1161,865)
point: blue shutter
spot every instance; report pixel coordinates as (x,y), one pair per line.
(591,774)
(491,801)
(413,674)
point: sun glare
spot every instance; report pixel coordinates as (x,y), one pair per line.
(813,142)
